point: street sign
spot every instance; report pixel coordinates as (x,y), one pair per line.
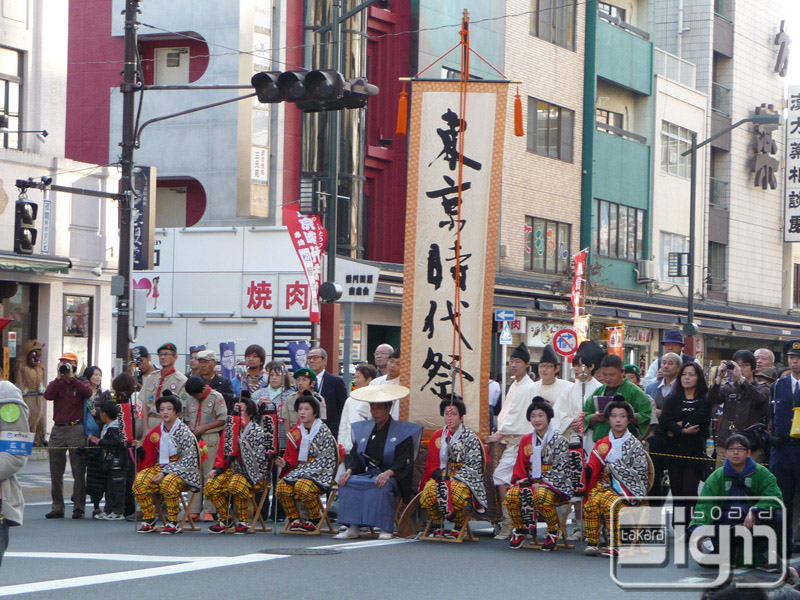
(503,315)
(565,342)
(358,280)
(505,337)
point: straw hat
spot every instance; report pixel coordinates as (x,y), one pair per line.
(378,394)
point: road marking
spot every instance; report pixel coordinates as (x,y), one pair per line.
(145,558)
(105,578)
(364,544)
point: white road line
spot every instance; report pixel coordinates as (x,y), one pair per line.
(144,558)
(105,578)
(364,544)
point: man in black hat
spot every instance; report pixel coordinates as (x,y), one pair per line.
(549,386)
(512,426)
(784,460)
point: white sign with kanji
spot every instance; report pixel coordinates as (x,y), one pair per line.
(791,200)
(260,295)
(295,298)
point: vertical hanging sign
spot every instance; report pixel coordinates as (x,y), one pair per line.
(309,238)
(791,191)
(439,323)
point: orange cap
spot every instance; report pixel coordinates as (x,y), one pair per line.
(69,356)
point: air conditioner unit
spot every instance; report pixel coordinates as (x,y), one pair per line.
(503,250)
(646,271)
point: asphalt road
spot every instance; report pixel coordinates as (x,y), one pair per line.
(68,559)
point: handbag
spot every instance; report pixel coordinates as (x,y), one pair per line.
(89,424)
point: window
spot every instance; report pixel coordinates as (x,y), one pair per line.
(554,21)
(550,129)
(77,328)
(618,231)
(609,117)
(717,270)
(547,245)
(611,10)
(672,242)
(11,94)
(674,142)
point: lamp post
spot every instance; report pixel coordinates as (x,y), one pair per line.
(689,327)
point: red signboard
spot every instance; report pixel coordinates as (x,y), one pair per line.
(309,238)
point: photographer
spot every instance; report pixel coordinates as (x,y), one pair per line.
(67,393)
(744,402)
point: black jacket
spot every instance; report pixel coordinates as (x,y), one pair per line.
(224,386)
(335,394)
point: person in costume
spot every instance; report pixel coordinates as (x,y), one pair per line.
(512,426)
(29,376)
(549,386)
(169,463)
(617,469)
(240,469)
(305,379)
(379,466)
(454,470)
(204,412)
(615,383)
(541,477)
(308,464)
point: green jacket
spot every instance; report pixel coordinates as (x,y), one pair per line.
(761,482)
(633,394)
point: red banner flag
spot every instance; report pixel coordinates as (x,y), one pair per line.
(309,238)
(577,284)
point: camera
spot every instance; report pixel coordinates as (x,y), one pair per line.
(730,365)
(65,369)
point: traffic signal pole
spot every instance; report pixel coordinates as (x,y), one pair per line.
(334,144)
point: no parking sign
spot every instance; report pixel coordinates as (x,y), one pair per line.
(565,342)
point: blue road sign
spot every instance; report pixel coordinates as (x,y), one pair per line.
(503,315)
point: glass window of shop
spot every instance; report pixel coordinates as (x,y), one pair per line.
(77,328)
(21,307)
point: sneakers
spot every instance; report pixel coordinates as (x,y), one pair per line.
(54,515)
(550,542)
(611,552)
(590,550)
(436,532)
(347,533)
(170,528)
(295,526)
(307,526)
(241,529)
(575,536)
(147,527)
(98,515)
(113,517)
(207,517)
(220,527)
(77,514)
(504,533)
(384,535)
(517,539)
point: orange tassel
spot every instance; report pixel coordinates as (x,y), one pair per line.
(519,131)
(402,113)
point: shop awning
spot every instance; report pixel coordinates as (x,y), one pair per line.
(603,311)
(515,302)
(550,306)
(642,315)
(709,323)
(34,264)
(765,329)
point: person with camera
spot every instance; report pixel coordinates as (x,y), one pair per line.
(68,394)
(241,467)
(744,403)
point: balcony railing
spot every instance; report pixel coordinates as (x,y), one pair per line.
(623,25)
(675,68)
(719,193)
(619,132)
(724,9)
(721,99)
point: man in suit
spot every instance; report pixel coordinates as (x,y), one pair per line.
(784,458)
(329,386)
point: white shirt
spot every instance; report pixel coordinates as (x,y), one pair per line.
(652,372)
(570,406)
(494,392)
(552,392)
(795,383)
(320,375)
(384,380)
(512,420)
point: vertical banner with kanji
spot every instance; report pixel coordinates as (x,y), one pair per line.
(577,286)
(430,323)
(309,238)
(616,341)
(791,200)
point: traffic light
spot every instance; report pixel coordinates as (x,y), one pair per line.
(24,230)
(313,91)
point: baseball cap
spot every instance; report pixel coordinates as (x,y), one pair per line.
(206,355)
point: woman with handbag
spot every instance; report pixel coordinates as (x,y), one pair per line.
(95,476)
(685,420)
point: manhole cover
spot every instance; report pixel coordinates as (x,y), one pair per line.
(301,551)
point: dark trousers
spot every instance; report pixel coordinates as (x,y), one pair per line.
(115,492)
(658,445)
(67,436)
(3,536)
(684,481)
(785,465)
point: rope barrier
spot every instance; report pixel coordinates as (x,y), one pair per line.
(692,457)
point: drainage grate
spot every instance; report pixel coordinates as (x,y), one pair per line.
(301,551)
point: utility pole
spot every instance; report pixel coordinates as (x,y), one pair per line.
(129,88)
(334,133)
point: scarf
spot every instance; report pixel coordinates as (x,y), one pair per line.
(536,456)
(305,443)
(273,392)
(167,447)
(615,454)
(443,450)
